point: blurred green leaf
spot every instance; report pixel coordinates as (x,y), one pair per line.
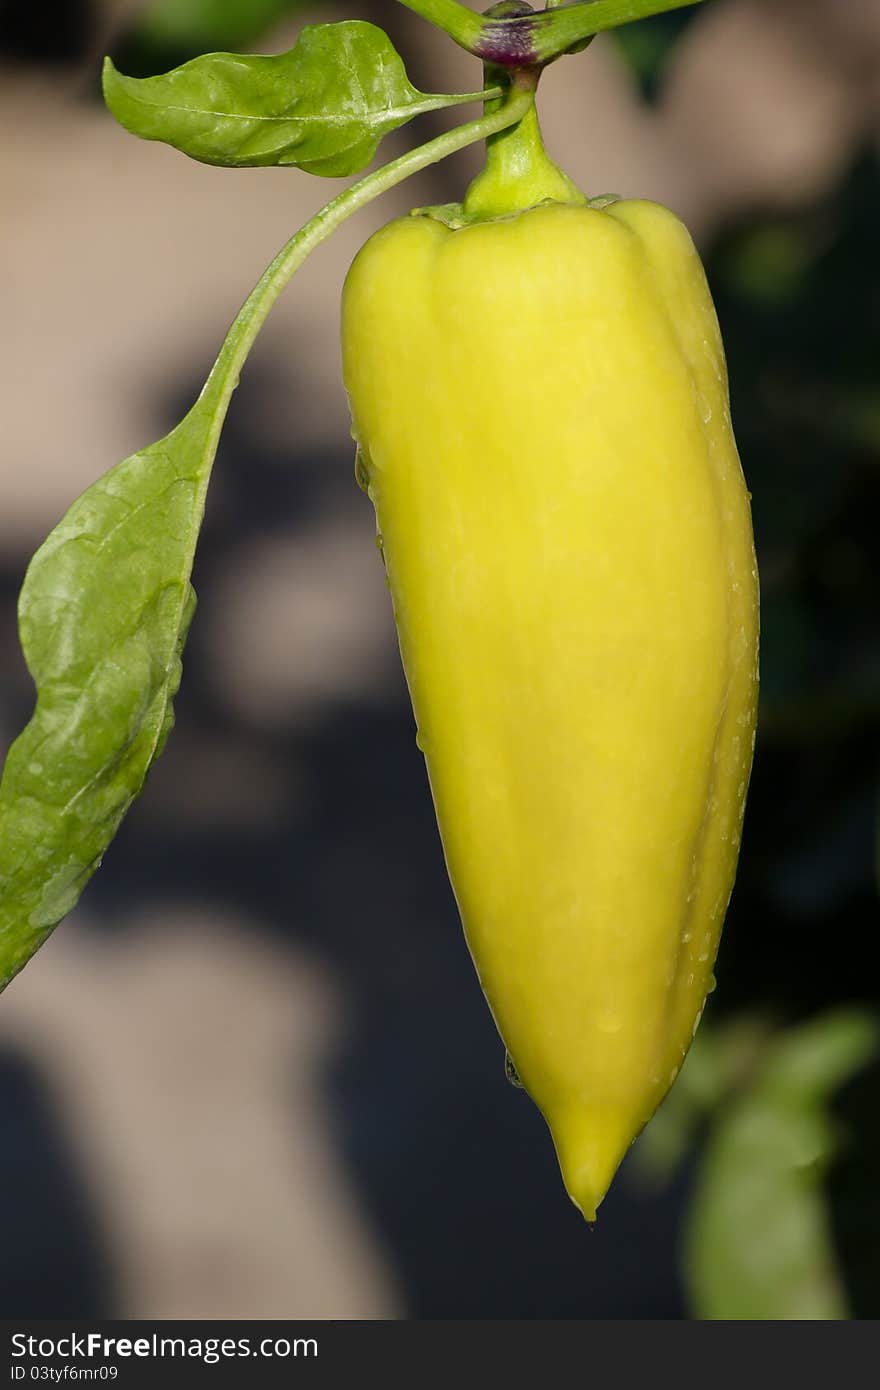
(721,1059)
(768,263)
(200,25)
(647,46)
(758,1242)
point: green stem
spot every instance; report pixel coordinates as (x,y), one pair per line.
(462,25)
(519,174)
(441,101)
(565,25)
(539,38)
(223,379)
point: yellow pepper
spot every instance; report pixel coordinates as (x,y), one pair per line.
(540,401)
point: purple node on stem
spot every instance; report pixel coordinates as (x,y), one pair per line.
(508,45)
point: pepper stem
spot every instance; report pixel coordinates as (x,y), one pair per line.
(519,173)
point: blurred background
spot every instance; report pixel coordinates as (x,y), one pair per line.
(253,1074)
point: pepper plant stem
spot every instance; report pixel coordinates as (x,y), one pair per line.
(535,38)
(519,173)
(464,26)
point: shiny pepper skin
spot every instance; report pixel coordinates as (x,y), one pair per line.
(541,407)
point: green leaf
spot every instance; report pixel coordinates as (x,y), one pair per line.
(323,107)
(103,616)
(758,1243)
(107,601)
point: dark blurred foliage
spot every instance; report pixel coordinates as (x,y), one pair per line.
(51,32)
(54,1265)
(799,301)
(798,298)
(647,46)
(855,1205)
(454,1168)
